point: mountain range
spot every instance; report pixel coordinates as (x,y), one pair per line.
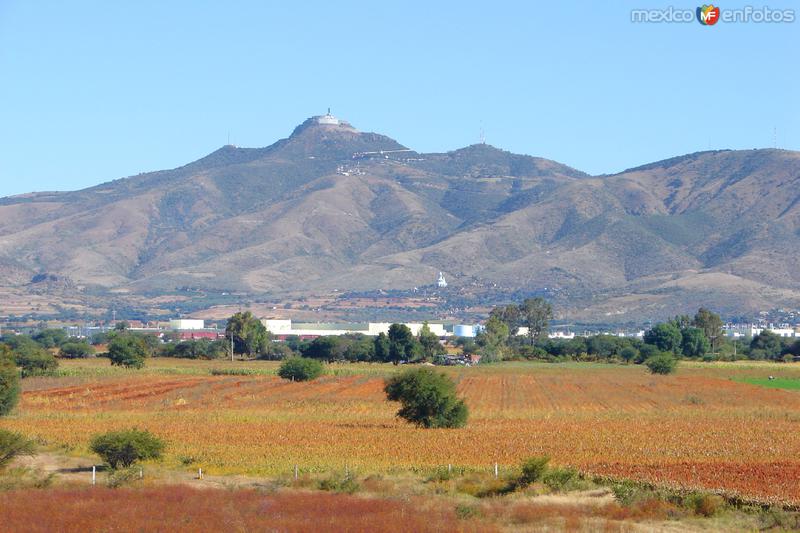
(332,208)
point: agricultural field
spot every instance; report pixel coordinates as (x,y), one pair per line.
(705,427)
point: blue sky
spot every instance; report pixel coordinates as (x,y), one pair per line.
(93,91)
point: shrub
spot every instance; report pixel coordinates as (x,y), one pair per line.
(75,350)
(119,478)
(50,338)
(629,354)
(13,445)
(300,369)
(195,349)
(661,364)
(123,448)
(35,362)
(428,399)
(9,384)
(532,470)
(465,512)
(339,483)
(561,479)
(706,505)
(127,350)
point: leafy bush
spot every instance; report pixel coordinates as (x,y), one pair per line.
(35,362)
(484,485)
(561,479)
(123,448)
(196,349)
(9,382)
(122,477)
(629,354)
(51,338)
(13,445)
(127,350)
(428,399)
(532,470)
(300,369)
(76,350)
(706,505)
(465,512)
(339,483)
(662,363)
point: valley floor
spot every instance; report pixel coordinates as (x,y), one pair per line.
(710,427)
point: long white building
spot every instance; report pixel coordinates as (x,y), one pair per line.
(283,327)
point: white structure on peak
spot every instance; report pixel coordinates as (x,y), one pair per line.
(440,281)
(328,119)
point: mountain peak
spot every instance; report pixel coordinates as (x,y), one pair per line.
(326,122)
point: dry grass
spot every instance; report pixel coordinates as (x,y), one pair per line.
(184,509)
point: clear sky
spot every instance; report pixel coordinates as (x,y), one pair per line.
(93,91)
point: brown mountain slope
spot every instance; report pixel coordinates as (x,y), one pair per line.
(333,208)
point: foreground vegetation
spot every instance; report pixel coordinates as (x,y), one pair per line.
(701,428)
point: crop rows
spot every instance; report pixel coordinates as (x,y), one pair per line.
(689,430)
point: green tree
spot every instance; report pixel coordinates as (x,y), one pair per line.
(51,338)
(663,363)
(9,381)
(196,349)
(493,339)
(75,350)
(711,324)
(681,321)
(323,348)
(381,344)
(767,343)
(403,346)
(665,336)
(13,445)
(428,399)
(532,470)
(34,360)
(694,342)
(429,343)
(249,334)
(629,354)
(536,314)
(128,350)
(300,369)
(509,315)
(124,448)
(359,347)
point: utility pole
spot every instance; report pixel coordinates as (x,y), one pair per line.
(231,345)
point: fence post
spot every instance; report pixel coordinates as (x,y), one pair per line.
(495,470)
(141,472)
(94,474)
(295,472)
(449,468)
(199,473)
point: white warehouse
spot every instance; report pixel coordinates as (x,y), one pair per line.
(186,323)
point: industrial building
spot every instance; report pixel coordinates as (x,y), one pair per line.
(181,324)
(282,328)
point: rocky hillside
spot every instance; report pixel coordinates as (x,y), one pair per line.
(334,208)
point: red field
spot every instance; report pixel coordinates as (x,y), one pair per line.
(182,509)
(696,429)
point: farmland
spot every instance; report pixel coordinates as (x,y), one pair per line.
(701,428)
